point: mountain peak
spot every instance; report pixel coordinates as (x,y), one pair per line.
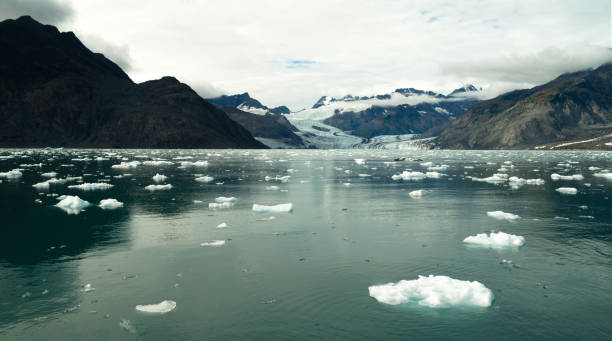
(466,89)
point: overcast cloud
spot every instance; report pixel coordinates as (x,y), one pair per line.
(293,52)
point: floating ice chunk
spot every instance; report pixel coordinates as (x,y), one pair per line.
(516,181)
(427,164)
(110,204)
(418,193)
(213,243)
(437,168)
(360,161)
(194,164)
(197,201)
(557,177)
(126,165)
(225,199)
(12,174)
(72,204)
(205,179)
(500,215)
(408,176)
(495,240)
(433,175)
(606,175)
(41,185)
(593,168)
(222,226)
(158,187)
(92,186)
(567,190)
(364,175)
(347,184)
(275,208)
(88,288)
(215,205)
(494,179)
(272,188)
(159,308)
(433,292)
(49,175)
(157,163)
(159,178)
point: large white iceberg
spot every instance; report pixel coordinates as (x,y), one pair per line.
(500,215)
(110,204)
(275,208)
(72,204)
(495,240)
(433,292)
(159,308)
(159,178)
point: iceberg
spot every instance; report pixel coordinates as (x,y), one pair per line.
(274,209)
(557,177)
(606,175)
(500,215)
(92,186)
(12,174)
(49,175)
(126,165)
(433,292)
(225,199)
(72,204)
(213,243)
(567,190)
(158,187)
(418,193)
(110,204)
(159,308)
(222,226)
(205,179)
(215,205)
(159,178)
(496,240)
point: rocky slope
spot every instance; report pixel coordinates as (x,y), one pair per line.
(572,108)
(56,92)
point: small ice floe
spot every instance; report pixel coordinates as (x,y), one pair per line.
(360,161)
(92,186)
(438,168)
(110,204)
(49,175)
(225,199)
(418,193)
(222,226)
(198,202)
(278,178)
(159,308)
(266,219)
(593,168)
(205,179)
(88,288)
(516,181)
(567,190)
(216,205)
(72,204)
(41,186)
(194,164)
(495,240)
(158,187)
(413,176)
(346,184)
(127,326)
(433,292)
(363,175)
(213,243)
(427,164)
(496,178)
(12,174)
(604,174)
(562,218)
(272,188)
(159,178)
(275,208)
(557,177)
(500,215)
(158,163)
(126,165)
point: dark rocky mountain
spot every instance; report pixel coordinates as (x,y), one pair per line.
(381,119)
(272,127)
(573,107)
(56,92)
(245,102)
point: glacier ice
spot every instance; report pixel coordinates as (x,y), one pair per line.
(274,209)
(500,215)
(159,308)
(92,186)
(159,178)
(495,240)
(110,204)
(72,204)
(567,190)
(158,187)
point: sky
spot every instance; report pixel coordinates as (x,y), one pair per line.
(286,52)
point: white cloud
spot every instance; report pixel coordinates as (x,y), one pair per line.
(47,11)
(354,47)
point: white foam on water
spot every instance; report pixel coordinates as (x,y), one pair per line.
(567,190)
(501,215)
(225,199)
(557,177)
(215,205)
(205,179)
(213,243)
(92,186)
(159,308)
(72,204)
(274,209)
(433,292)
(159,178)
(110,204)
(158,187)
(495,240)
(418,193)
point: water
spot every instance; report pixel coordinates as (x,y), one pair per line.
(305,274)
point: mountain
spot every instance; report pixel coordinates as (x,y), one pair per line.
(56,92)
(268,126)
(246,103)
(355,120)
(575,107)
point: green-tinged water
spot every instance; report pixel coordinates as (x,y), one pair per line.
(305,274)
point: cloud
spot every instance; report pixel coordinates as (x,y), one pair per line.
(299,63)
(118,53)
(47,11)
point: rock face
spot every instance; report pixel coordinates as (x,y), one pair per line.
(56,92)
(245,102)
(573,107)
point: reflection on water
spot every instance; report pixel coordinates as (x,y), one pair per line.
(305,274)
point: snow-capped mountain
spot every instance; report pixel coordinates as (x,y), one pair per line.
(354,120)
(246,103)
